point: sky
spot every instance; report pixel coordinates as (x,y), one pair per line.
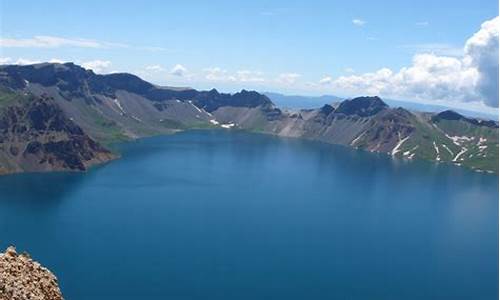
(439,52)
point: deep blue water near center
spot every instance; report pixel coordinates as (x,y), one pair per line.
(220,215)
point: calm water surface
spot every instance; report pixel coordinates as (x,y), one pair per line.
(218,215)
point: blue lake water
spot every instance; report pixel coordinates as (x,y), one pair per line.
(220,215)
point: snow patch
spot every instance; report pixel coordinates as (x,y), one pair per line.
(227,126)
(401,141)
(197,108)
(119,105)
(481,140)
(460,154)
(136,118)
(437,151)
(357,139)
(458,140)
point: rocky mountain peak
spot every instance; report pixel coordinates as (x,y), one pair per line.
(327,109)
(451,115)
(361,106)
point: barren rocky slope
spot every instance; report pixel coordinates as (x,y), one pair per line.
(23,278)
(115,107)
(35,135)
(368,123)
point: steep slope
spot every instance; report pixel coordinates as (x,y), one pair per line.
(476,141)
(368,123)
(122,106)
(35,135)
(116,107)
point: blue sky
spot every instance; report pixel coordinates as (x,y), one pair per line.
(285,46)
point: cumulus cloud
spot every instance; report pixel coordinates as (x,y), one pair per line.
(57,60)
(217,74)
(481,52)
(288,78)
(358,22)
(471,77)
(326,80)
(19,61)
(5,60)
(178,70)
(98,66)
(26,61)
(436,48)
(249,76)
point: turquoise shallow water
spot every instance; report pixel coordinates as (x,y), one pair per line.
(219,215)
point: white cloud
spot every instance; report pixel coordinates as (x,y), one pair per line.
(47,41)
(216,74)
(155,68)
(436,48)
(178,70)
(358,22)
(57,60)
(19,61)
(245,76)
(249,76)
(288,78)
(25,61)
(472,77)
(5,60)
(43,41)
(481,52)
(326,80)
(98,66)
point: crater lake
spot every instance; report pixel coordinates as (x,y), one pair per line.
(233,215)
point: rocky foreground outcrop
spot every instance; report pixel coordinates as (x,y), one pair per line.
(23,278)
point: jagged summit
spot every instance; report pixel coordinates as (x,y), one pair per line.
(76,81)
(451,115)
(114,107)
(361,106)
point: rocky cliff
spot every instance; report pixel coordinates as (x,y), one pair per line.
(368,123)
(102,109)
(35,135)
(22,278)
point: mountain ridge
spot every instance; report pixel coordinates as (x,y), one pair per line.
(122,106)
